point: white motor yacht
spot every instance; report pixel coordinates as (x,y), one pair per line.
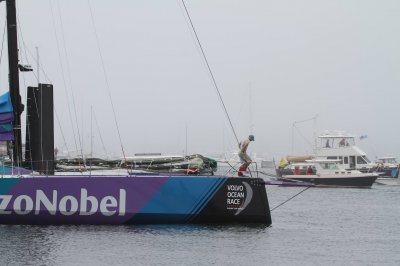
(324,172)
(342,147)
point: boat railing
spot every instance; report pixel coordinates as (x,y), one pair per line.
(77,166)
(231,168)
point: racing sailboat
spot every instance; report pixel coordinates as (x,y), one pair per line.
(46,198)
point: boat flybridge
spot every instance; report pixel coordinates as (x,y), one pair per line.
(342,147)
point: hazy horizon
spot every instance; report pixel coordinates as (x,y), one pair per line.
(276,62)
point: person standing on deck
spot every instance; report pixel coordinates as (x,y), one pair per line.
(245,159)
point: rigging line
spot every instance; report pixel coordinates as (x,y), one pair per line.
(27,126)
(106,78)
(2,42)
(26,49)
(63,75)
(241,107)
(36,61)
(298,131)
(305,120)
(62,133)
(70,80)
(22,52)
(290,198)
(192,34)
(101,138)
(211,73)
(20,33)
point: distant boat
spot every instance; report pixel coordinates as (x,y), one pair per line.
(323,172)
(342,147)
(390,167)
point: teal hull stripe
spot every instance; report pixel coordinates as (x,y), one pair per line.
(209,197)
(205,198)
(186,195)
(6,184)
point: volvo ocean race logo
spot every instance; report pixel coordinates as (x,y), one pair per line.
(238,197)
(67,205)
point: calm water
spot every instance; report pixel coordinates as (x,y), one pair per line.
(319,227)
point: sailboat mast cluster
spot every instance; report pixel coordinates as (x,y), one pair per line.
(18,107)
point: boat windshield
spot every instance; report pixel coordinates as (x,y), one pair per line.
(329,166)
(336,142)
(366,159)
(362,160)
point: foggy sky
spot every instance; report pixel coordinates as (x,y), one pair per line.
(339,60)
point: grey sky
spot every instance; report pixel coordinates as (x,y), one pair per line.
(337,59)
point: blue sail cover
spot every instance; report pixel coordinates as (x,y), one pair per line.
(6,117)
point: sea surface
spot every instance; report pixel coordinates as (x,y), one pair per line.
(321,226)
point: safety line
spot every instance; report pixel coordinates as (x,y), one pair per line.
(290,198)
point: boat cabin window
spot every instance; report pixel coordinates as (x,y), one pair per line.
(328,166)
(289,166)
(361,160)
(366,159)
(387,160)
(331,158)
(350,142)
(327,145)
(336,142)
(352,162)
(343,142)
(345,160)
(293,166)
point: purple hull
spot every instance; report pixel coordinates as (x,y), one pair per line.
(132,200)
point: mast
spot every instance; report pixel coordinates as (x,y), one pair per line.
(18,107)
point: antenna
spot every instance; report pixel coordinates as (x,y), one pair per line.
(251,110)
(186,138)
(37,64)
(91,138)
(314,118)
